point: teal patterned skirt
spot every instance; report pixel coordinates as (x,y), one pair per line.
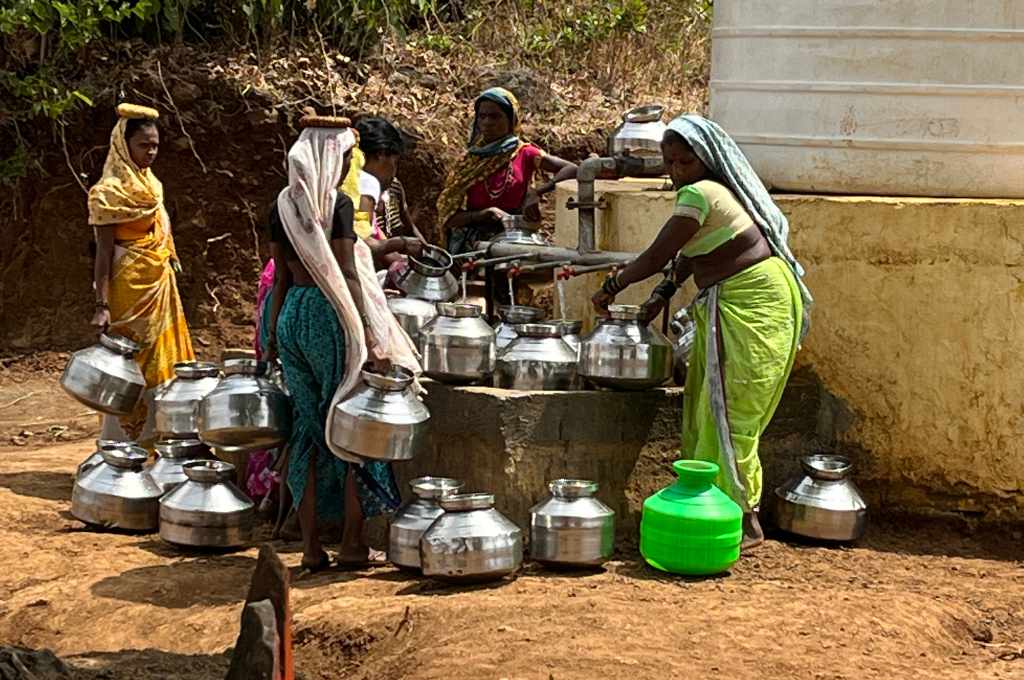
(311,346)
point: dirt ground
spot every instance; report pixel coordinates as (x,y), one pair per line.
(915,599)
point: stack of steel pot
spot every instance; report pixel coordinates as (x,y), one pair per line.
(623,353)
(471,541)
(172,455)
(429,276)
(412,314)
(415,517)
(822,503)
(458,346)
(105,377)
(382,419)
(245,411)
(118,493)
(511,316)
(572,527)
(177,403)
(538,359)
(207,510)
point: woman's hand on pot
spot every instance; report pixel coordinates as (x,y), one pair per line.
(601,299)
(495,214)
(101,318)
(652,308)
(531,206)
(412,246)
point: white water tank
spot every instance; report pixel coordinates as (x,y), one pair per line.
(889,97)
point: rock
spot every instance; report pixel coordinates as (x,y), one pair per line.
(270,582)
(18,663)
(257,653)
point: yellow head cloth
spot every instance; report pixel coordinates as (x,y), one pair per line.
(126,192)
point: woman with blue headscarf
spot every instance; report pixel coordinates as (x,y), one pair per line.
(752,310)
(495,176)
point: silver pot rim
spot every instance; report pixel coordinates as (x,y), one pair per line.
(459,310)
(432,488)
(430,270)
(570,326)
(526,313)
(647,113)
(240,366)
(119,344)
(826,466)
(194,370)
(625,312)
(397,379)
(462,502)
(126,458)
(539,330)
(180,448)
(573,488)
(209,471)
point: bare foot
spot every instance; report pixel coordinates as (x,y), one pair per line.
(753,535)
(361,556)
(314,563)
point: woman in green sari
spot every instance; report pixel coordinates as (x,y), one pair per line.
(751,313)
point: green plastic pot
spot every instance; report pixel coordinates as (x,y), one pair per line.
(691,527)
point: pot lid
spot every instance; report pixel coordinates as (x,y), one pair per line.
(573,488)
(240,366)
(625,312)
(514,314)
(194,370)
(462,502)
(102,444)
(126,458)
(648,113)
(119,344)
(458,310)
(539,330)
(826,466)
(434,487)
(395,380)
(181,448)
(209,471)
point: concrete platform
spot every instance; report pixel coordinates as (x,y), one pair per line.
(513,443)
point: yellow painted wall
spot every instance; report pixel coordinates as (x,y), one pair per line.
(917,329)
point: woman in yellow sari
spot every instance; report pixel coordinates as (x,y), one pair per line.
(136,264)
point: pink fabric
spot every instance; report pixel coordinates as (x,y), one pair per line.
(265,286)
(260,478)
(512,181)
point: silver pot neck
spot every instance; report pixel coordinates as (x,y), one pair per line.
(458,310)
(462,502)
(397,379)
(571,327)
(181,448)
(572,488)
(125,458)
(650,113)
(245,367)
(433,488)
(826,467)
(119,344)
(513,314)
(625,312)
(539,330)
(209,471)
(194,370)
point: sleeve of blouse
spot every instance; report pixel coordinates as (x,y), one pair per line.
(344,219)
(534,156)
(690,202)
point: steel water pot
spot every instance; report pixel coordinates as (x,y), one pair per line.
(471,541)
(96,457)
(118,493)
(511,316)
(624,353)
(428,276)
(207,510)
(105,377)
(517,230)
(246,411)
(412,314)
(382,419)
(172,455)
(684,328)
(538,359)
(639,136)
(177,403)
(823,502)
(572,527)
(415,517)
(458,346)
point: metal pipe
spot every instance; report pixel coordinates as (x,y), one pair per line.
(558,254)
(589,171)
(538,266)
(473,265)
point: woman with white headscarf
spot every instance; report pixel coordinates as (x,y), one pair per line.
(328,317)
(752,310)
